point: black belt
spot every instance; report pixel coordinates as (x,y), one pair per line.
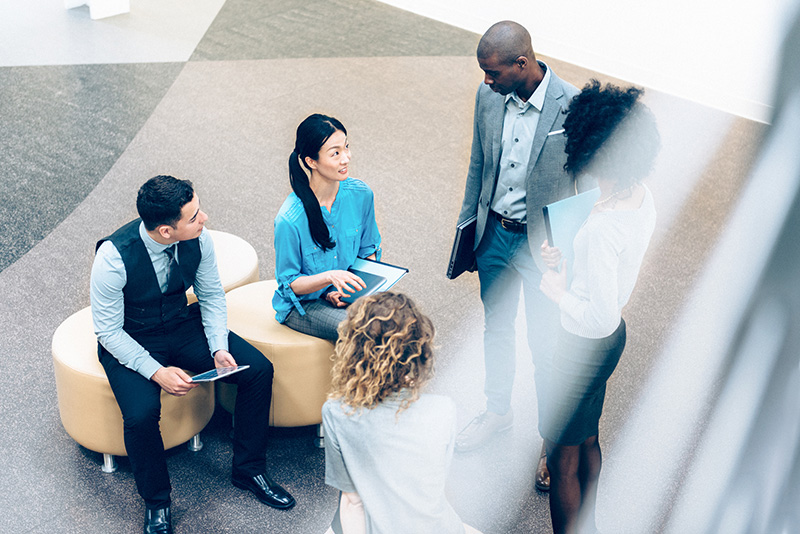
(510,224)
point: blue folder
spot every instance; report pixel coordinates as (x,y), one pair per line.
(564,218)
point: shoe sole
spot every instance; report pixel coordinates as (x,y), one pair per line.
(273,505)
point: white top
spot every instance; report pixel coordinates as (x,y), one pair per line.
(397,464)
(609,249)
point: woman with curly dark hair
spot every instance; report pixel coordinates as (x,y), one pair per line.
(612,137)
(388,446)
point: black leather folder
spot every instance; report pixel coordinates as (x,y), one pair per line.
(462,258)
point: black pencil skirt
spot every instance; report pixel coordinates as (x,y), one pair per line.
(576,387)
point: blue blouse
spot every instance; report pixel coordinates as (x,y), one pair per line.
(352,226)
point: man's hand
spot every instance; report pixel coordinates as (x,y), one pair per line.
(223,358)
(173,380)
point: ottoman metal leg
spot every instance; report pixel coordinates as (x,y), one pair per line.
(195,444)
(319,441)
(109,463)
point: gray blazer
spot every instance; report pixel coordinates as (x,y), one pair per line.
(546,180)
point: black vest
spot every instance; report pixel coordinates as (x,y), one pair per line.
(145,306)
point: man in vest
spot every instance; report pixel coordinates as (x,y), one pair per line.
(147,335)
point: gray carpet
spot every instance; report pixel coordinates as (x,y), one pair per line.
(63,128)
(270,29)
(78,141)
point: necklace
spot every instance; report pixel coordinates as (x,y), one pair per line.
(612,195)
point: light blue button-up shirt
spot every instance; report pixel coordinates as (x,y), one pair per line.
(352,226)
(519,127)
(108,302)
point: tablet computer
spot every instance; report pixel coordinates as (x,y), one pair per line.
(216,374)
(373,282)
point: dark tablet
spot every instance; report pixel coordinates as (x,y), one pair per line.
(373,282)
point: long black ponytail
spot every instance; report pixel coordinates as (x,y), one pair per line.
(312,133)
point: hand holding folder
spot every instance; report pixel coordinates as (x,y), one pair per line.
(551,255)
(372,283)
(564,218)
(377,275)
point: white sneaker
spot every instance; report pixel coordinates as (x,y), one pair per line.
(481,429)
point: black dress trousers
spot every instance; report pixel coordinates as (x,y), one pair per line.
(182,343)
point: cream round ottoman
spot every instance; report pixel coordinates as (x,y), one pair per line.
(236,260)
(302,363)
(89,411)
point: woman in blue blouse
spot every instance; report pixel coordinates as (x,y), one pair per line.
(321,228)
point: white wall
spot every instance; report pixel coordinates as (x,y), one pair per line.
(721,53)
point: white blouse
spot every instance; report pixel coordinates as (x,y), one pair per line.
(609,249)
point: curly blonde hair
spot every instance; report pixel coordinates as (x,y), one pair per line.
(385,345)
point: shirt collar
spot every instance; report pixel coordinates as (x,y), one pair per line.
(537,98)
(150,243)
(397,397)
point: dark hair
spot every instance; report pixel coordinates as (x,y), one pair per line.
(161,199)
(610,131)
(312,133)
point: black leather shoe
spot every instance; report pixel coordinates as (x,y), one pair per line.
(157,521)
(265,490)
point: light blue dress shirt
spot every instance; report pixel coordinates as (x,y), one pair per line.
(108,302)
(352,226)
(519,127)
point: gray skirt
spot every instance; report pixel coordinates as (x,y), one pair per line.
(576,387)
(321,319)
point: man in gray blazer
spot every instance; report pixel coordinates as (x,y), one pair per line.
(516,167)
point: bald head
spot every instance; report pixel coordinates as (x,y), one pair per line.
(508,40)
(505,55)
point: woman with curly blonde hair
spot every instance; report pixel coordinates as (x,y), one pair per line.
(388,446)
